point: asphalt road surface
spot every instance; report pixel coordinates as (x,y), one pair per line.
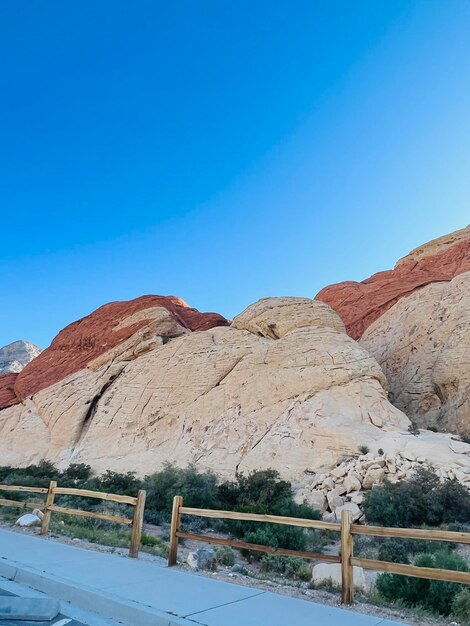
(60,620)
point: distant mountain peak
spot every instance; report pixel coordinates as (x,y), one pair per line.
(15,356)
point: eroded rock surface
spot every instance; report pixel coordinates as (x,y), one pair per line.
(226,398)
(114,329)
(423,346)
(360,304)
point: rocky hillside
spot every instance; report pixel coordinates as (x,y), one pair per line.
(286,385)
(415,320)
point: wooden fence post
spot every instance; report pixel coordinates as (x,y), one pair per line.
(347,572)
(175,524)
(47,512)
(137,523)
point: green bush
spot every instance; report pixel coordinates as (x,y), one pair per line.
(225,556)
(197,489)
(294,568)
(434,595)
(259,492)
(77,472)
(423,499)
(393,552)
(115,482)
(461,606)
(148,540)
(263,488)
(363,450)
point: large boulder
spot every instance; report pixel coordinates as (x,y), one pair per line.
(28,519)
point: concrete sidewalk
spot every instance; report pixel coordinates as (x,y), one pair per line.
(139,593)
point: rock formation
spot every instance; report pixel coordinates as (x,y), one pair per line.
(114,329)
(284,386)
(415,320)
(423,346)
(360,304)
(15,356)
(136,384)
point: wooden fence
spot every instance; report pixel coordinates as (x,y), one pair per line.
(346,530)
(48,507)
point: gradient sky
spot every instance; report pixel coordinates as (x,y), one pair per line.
(222,151)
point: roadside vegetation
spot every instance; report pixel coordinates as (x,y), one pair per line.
(259,492)
(422,501)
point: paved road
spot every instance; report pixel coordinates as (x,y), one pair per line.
(141,593)
(60,620)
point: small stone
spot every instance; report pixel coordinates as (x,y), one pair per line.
(203,559)
(357,498)
(338,472)
(349,506)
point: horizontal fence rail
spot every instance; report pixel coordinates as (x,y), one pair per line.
(21,504)
(430,573)
(347,531)
(48,507)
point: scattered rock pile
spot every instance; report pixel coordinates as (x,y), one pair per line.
(343,488)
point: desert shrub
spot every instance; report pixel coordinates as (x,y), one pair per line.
(263,487)
(413,429)
(198,489)
(115,482)
(264,492)
(294,568)
(380,452)
(423,499)
(148,540)
(261,536)
(433,429)
(431,594)
(461,606)
(393,552)
(38,475)
(76,472)
(363,450)
(225,556)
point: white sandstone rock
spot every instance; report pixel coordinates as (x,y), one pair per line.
(331,572)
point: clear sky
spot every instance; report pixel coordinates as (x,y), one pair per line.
(222,151)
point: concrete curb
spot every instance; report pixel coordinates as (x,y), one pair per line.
(104,604)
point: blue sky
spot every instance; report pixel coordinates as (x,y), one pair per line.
(222,151)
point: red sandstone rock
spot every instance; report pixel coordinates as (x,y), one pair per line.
(360,304)
(7,393)
(81,342)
